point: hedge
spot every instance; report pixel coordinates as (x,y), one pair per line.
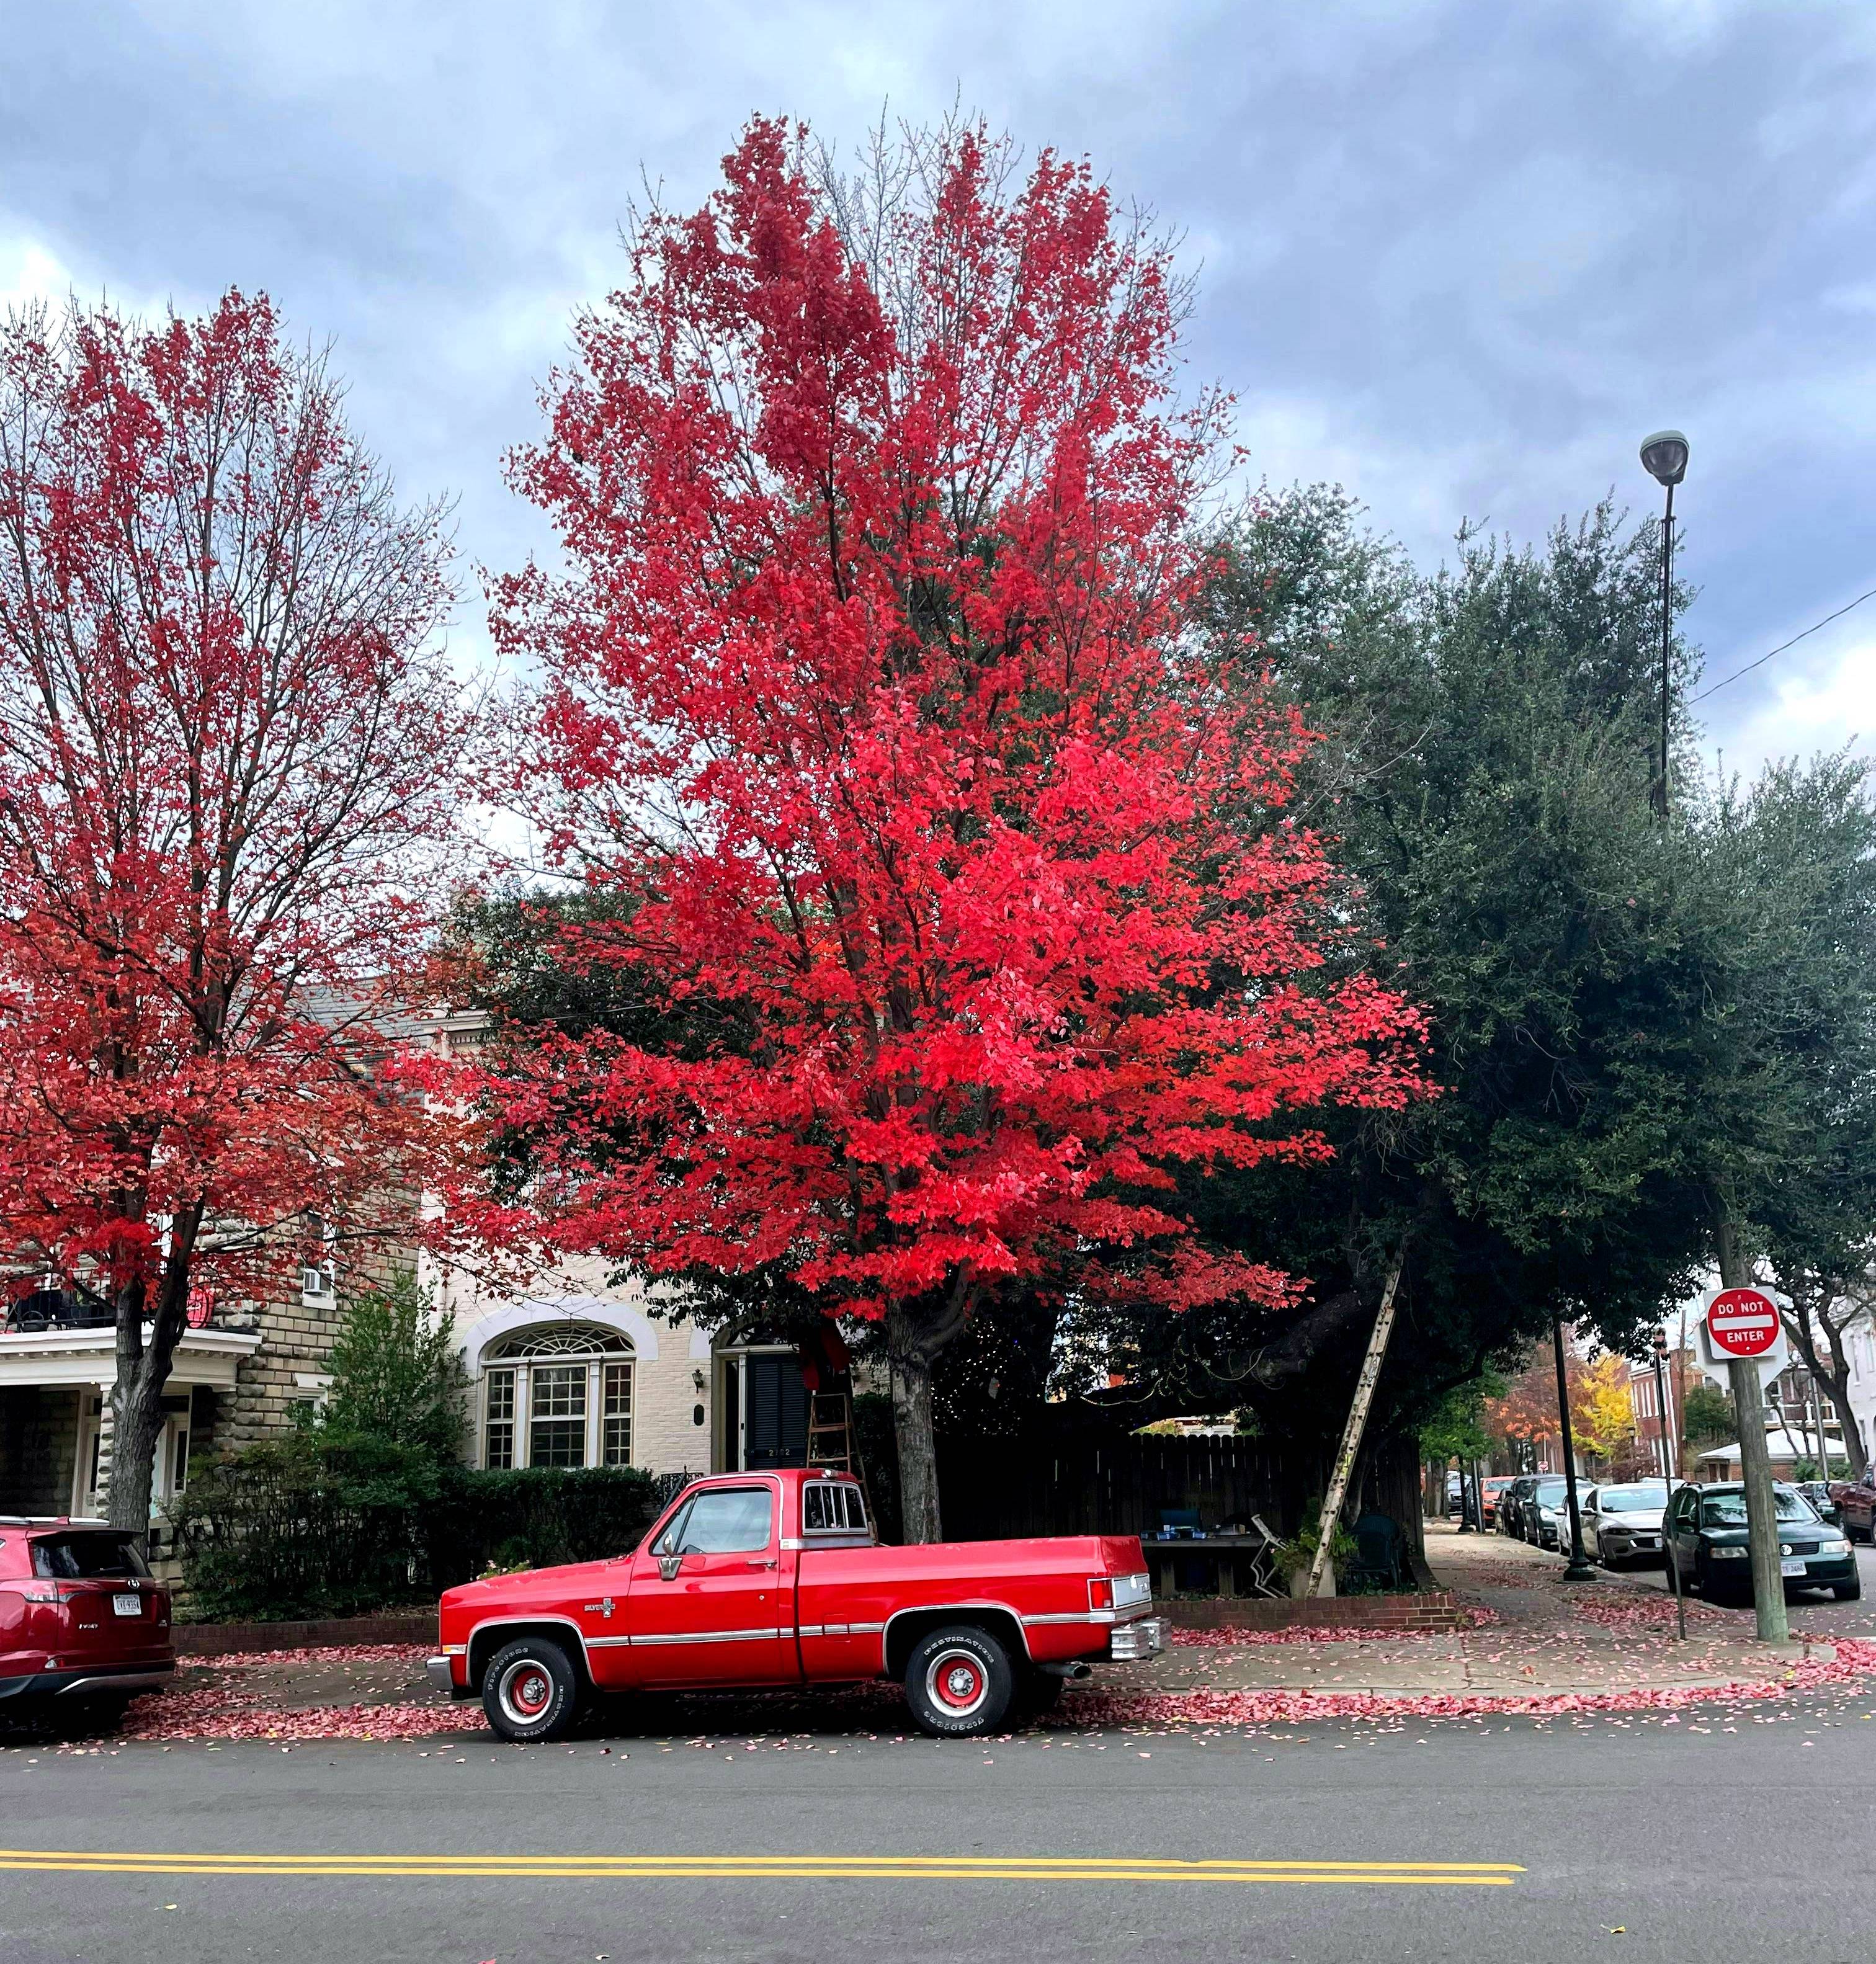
(315,1526)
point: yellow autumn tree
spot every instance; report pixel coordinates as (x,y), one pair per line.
(1600,1414)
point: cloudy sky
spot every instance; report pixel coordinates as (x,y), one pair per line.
(1461,254)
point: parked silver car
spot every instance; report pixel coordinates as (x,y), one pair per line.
(1623,1523)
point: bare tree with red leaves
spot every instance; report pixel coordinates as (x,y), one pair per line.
(869,689)
(228,746)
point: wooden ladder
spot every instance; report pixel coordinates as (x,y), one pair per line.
(830,1432)
(830,1440)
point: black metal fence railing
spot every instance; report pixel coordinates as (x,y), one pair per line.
(59,1309)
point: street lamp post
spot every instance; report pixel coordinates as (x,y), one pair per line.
(1580,1570)
(1664,457)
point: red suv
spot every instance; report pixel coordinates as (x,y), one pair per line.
(80,1619)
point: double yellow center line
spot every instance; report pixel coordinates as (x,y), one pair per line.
(769,1868)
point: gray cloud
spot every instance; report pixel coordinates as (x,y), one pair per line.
(1459,254)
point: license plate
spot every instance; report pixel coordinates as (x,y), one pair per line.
(133,1605)
(1645,1540)
(1790,1568)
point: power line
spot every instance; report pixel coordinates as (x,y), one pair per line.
(1782,646)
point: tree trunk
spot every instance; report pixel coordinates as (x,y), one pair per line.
(918,1456)
(143,1363)
(1829,1368)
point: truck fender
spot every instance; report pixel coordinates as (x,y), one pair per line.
(492,1632)
(905,1627)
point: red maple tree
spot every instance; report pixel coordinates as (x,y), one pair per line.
(227,736)
(869,686)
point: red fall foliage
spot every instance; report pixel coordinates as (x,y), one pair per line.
(870,683)
(226,746)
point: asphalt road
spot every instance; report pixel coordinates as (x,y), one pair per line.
(1740,1835)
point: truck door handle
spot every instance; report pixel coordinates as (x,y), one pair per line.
(769,1564)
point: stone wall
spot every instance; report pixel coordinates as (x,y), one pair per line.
(38,1429)
(297,1335)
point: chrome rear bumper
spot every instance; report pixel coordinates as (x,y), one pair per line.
(1131,1642)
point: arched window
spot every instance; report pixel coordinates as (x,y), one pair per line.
(558,1395)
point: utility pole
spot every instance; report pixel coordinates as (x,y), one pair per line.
(1762,1510)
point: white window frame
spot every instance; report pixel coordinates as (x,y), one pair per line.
(559,1346)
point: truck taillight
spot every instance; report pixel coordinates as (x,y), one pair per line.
(1118,1592)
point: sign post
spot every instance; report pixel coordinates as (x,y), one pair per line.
(1742,1326)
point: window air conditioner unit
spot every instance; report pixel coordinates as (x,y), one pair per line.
(316,1280)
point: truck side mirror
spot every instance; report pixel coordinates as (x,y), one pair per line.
(669,1565)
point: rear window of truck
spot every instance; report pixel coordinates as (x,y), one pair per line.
(832,1507)
(87,1558)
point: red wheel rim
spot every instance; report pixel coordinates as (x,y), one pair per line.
(526,1691)
(957,1682)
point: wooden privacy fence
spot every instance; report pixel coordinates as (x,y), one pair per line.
(991,1488)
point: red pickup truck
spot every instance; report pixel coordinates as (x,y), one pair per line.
(763,1580)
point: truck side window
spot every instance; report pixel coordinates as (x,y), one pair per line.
(727,1520)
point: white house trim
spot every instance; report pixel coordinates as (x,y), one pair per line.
(90,1357)
(534,1311)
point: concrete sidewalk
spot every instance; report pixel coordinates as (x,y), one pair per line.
(1540,1638)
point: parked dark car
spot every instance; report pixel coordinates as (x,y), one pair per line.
(1856,1507)
(1511,1505)
(1707,1536)
(1622,1521)
(1545,1507)
(1817,1492)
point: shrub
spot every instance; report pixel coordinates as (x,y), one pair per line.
(325,1524)
(536,1516)
(307,1525)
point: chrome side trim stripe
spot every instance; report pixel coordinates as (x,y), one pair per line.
(607,1643)
(712,1637)
(864,1629)
(1073,1617)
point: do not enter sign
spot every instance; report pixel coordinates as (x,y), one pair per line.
(1743,1323)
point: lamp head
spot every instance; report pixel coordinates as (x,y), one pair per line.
(1664,457)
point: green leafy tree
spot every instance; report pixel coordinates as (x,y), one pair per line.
(1484,760)
(1706,1416)
(397,1377)
(1781,1112)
